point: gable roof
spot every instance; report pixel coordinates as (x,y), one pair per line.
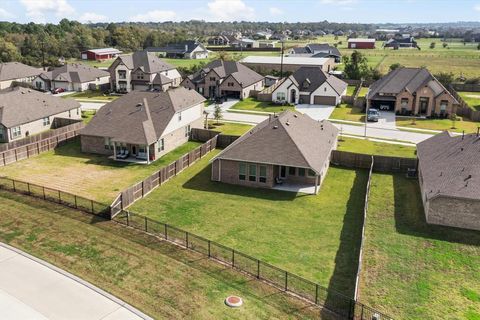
(104,51)
(161,79)
(290,139)
(316,77)
(20,105)
(75,72)
(449,165)
(244,75)
(17,70)
(140,117)
(146,61)
(180,47)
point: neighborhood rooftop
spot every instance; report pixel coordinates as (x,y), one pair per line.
(17,70)
(301,61)
(147,62)
(180,47)
(105,51)
(242,74)
(310,78)
(74,72)
(361,40)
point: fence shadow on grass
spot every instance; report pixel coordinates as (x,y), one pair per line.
(410,216)
(202,182)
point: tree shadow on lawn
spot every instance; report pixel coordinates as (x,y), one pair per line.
(346,260)
(410,216)
(202,182)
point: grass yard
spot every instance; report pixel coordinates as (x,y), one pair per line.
(375,147)
(87,115)
(348,112)
(160,279)
(438,124)
(229,128)
(413,270)
(90,95)
(363,92)
(316,237)
(351,90)
(186,63)
(472,99)
(251,104)
(92,176)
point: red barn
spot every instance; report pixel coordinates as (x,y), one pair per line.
(100,54)
(356,43)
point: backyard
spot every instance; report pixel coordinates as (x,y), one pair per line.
(160,279)
(471,98)
(229,128)
(375,147)
(90,95)
(412,270)
(316,237)
(251,104)
(91,176)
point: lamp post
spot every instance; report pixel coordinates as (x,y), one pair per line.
(206,119)
(366,108)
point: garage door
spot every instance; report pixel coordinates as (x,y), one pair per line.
(304,99)
(329,101)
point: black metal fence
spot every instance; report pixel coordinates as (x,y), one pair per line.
(335,302)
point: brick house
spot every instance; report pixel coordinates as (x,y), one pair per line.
(25,112)
(143,126)
(449,176)
(412,91)
(225,79)
(290,151)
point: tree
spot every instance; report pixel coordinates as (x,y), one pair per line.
(8,51)
(445,44)
(225,56)
(395,66)
(445,78)
(217,112)
(454,120)
(478,47)
(432,45)
(356,66)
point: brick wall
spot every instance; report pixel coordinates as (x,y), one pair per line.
(461,213)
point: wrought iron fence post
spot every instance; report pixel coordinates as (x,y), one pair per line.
(128,218)
(186,239)
(75,199)
(316,293)
(91,202)
(233,258)
(14,189)
(28,188)
(286,280)
(166,235)
(258,269)
(44,196)
(59,197)
(209,249)
(146,225)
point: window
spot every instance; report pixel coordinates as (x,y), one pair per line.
(242,171)
(281,96)
(69,113)
(262,177)
(212,78)
(230,84)
(301,172)
(291,171)
(179,116)
(187,131)
(443,106)
(311,173)
(122,74)
(404,103)
(16,132)
(161,145)
(252,172)
(2,134)
(46,121)
(78,111)
(107,143)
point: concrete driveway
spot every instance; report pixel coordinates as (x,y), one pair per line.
(33,289)
(315,111)
(385,121)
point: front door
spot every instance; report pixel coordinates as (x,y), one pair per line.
(293,96)
(283,172)
(423,105)
(134,150)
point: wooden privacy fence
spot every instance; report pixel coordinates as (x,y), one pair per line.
(380,163)
(464,109)
(139,190)
(204,135)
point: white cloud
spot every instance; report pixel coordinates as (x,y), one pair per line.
(338,2)
(230,10)
(37,9)
(154,16)
(92,17)
(4,14)
(477,7)
(274,11)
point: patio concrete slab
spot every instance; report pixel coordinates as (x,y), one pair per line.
(33,289)
(298,188)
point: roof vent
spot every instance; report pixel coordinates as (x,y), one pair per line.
(468,178)
(287,123)
(295,115)
(275,127)
(139,105)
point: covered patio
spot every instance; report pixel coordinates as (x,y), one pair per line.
(295,179)
(134,153)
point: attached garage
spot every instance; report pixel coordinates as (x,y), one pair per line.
(390,102)
(324,100)
(231,94)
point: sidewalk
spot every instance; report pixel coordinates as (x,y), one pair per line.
(31,288)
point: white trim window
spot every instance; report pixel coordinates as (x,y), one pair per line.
(161,145)
(179,116)
(107,143)
(2,133)
(242,171)
(281,96)
(46,121)
(252,172)
(16,132)
(187,131)
(262,174)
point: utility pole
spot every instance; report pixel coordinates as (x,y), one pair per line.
(281,61)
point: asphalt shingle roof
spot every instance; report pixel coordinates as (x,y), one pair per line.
(146,61)
(315,76)
(244,75)
(17,70)
(75,72)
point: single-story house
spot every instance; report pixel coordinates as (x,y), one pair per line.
(449,176)
(245,43)
(317,50)
(225,79)
(412,91)
(16,72)
(401,43)
(358,43)
(183,50)
(73,77)
(265,64)
(142,126)
(100,54)
(289,151)
(221,40)
(25,112)
(310,85)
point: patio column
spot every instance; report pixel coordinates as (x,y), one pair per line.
(148,154)
(114,151)
(316,184)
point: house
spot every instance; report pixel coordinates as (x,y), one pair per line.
(182,50)
(225,79)
(401,43)
(245,43)
(316,50)
(357,43)
(25,112)
(289,151)
(138,71)
(310,85)
(143,126)
(449,177)
(412,91)
(73,77)
(221,40)
(100,54)
(269,64)
(11,72)
(270,80)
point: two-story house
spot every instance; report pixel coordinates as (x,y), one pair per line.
(139,70)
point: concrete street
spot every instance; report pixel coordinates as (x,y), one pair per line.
(33,289)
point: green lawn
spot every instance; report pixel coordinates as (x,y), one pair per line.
(413,270)
(363,92)
(472,99)
(351,90)
(438,124)
(93,63)
(160,279)
(375,148)
(348,112)
(316,237)
(91,176)
(229,128)
(251,104)
(186,63)
(90,95)
(88,115)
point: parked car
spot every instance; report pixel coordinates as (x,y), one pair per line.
(384,107)
(58,90)
(373,115)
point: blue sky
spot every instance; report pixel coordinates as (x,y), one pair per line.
(368,11)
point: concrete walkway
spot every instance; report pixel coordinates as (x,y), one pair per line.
(31,288)
(91,105)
